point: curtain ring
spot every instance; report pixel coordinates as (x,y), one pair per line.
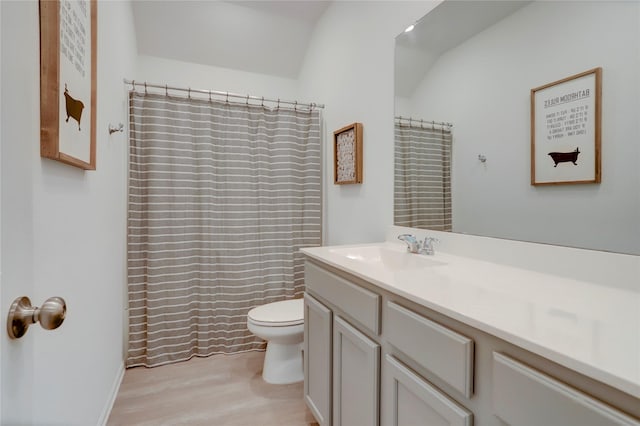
(189,93)
(166,90)
(278,106)
(145,87)
(295,106)
(209,95)
(133,83)
(227,100)
(247,101)
(263,102)
(421,124)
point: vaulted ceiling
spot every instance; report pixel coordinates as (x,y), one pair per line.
(445,27)
(267,37)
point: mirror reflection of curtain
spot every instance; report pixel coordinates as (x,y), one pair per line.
(422,181)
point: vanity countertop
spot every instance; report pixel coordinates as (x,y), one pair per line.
(587,327)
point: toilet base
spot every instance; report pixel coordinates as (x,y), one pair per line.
(283,363)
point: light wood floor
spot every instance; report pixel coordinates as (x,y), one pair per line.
(222,390)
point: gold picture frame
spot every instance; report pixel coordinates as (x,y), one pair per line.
(566,117)
(68,68)
(347,154)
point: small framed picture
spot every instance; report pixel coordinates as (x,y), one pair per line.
(347,154)
(565,130)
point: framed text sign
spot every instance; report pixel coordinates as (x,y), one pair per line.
(347,154)
(68,48)
(565,130)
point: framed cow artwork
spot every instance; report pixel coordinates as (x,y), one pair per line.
(68,48)
(566,130)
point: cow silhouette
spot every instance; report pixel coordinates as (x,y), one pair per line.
(74,107)
(565,157)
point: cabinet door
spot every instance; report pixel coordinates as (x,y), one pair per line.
(409,400)
(317,359)
(356,366)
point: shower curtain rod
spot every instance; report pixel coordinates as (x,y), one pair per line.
(415,121)
(227,95)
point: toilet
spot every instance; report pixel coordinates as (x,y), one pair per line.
(281,324)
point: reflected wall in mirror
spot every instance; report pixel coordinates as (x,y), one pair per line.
(474,63)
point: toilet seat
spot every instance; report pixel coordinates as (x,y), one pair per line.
(278,314)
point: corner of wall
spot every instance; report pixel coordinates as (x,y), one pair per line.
(359,91)
(115,387)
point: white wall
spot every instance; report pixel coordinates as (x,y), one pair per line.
(483,85)
(63,231)
(197,76)
(349,67)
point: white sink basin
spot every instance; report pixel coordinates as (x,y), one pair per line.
(387,257)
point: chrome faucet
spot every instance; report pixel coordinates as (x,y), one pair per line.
(414,246)
(412,243)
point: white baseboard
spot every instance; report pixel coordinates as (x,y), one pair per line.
(102,421)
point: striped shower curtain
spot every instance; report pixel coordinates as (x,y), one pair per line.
(422,177)
(221,198)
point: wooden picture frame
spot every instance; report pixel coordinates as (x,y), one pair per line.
(68,68)
(347,154)
(566,118)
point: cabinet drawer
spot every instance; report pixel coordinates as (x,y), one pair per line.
(443,352)
(358,303)
(408,399)
(524,396)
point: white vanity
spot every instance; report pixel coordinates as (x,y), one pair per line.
(485,332)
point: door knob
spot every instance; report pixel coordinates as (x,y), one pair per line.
(21,315)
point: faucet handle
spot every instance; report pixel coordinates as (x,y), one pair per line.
(426,247)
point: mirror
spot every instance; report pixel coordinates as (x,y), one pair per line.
(474,63)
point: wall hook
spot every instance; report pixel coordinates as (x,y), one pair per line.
(482,158)
(113,129)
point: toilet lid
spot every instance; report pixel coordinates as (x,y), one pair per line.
(278,314)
